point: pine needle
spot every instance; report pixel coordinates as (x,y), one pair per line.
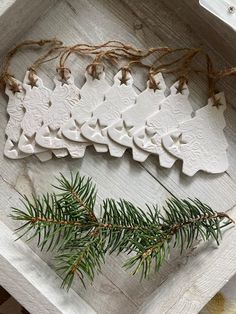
(66,222)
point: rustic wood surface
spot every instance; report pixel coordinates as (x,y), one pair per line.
(185,284)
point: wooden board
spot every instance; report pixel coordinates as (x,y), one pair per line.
(185,284)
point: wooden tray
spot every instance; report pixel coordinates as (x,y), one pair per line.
(185,284)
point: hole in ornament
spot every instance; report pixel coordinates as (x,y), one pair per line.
(49,103)
(123,80)
(64,81)
(34,84)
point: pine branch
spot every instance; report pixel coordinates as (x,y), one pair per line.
(67,221)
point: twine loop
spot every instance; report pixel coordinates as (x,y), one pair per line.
(63,72)
(175,61)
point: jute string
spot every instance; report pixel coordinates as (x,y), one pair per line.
(6,78)
(114,51)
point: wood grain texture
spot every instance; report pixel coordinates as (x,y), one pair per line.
(30,280)
(179,287)
(17,16)
(186,293)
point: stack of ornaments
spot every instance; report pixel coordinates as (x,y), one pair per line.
(65,120)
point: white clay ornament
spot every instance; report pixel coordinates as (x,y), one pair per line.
(134,117)
(174,109)
(36,103)
(63,98)
(15,109)
(118,98)
(200,142)
(113,118)
(92,94)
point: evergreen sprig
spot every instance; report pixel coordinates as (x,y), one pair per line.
(66,222)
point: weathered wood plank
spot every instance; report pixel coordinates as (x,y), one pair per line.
(31,280)
(196,282)
(17,16)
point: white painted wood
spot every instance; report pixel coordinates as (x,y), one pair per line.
(24,13)
(224,301)
(144,24)
(223,9)
(186,291)
(5,4)
(31,280)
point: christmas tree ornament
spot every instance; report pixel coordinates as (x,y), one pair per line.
(134,117)
(92,94)
(36,103)
(15,110)
(200,142)
(173,110)
(65,120)
(63,98)
(118,98)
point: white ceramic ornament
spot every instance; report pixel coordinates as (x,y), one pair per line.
(15,109)
(63,98)
(174,109)
(134,118)
(200,141)
(118,98)
(13,131)
(36,103)
(92,94)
